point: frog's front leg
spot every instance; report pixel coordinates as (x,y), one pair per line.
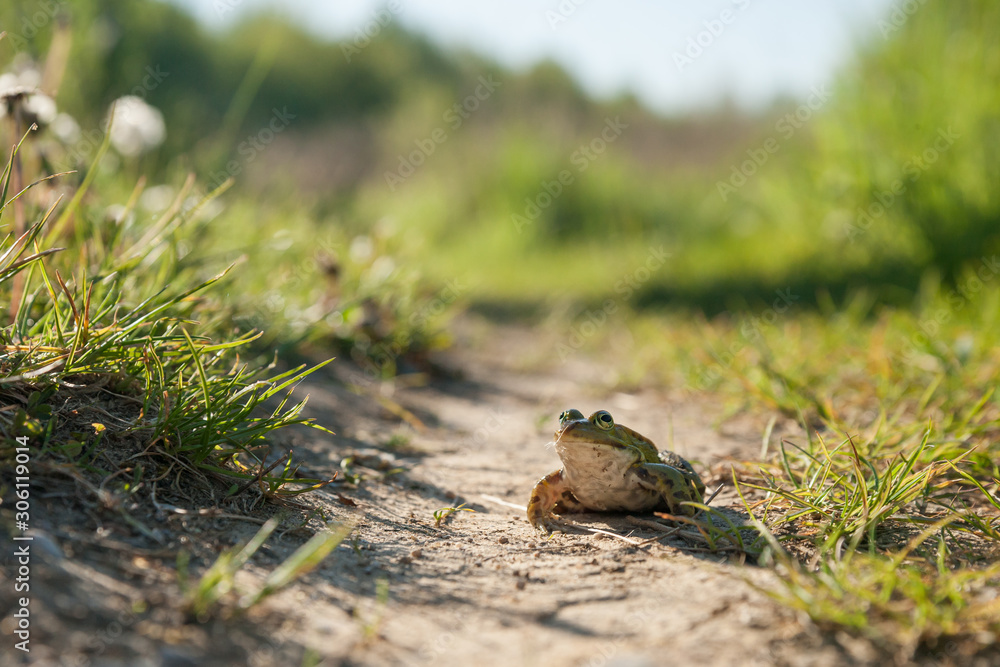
(675,486)
(551,493)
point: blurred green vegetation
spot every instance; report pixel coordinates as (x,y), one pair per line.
(895,175)
(879,179)
(522,187)
(354,118)
(886,175)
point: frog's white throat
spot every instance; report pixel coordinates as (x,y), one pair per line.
(601,477)
(584,459)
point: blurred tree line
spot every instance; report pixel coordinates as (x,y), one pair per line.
(115,42)
(893,174)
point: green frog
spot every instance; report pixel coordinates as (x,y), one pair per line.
(610,467)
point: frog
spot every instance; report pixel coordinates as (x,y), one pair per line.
(608,467)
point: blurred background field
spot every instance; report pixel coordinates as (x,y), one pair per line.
(831,255)
(797,196)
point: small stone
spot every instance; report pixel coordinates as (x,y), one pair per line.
(503,539)
(416,553)
(520,584)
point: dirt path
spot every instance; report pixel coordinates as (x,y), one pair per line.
(483,588)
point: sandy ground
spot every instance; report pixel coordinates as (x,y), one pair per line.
(482,588)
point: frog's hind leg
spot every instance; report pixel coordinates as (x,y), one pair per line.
(671,485)
(551,494)
(568,504)
(676,461)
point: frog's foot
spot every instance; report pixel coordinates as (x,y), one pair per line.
(554,523)
(551,524)
(672,485)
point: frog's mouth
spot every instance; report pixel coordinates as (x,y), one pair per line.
(568,438)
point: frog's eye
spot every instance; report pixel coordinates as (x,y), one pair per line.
(570,415)
(604,420)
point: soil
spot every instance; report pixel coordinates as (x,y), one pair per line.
(481,587)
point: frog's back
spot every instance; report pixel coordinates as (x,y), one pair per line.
(675,460)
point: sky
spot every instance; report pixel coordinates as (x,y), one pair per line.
(674,55)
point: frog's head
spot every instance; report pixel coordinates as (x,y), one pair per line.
(600,433)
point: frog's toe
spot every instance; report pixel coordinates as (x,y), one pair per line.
(551,523)
(685,507)
(538,517)
(690,510)
(546,528)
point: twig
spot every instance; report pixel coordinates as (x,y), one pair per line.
(708,501)
(684,547)
(654,525)
(503,503)
(608,533)
(211,512)
(260,475)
